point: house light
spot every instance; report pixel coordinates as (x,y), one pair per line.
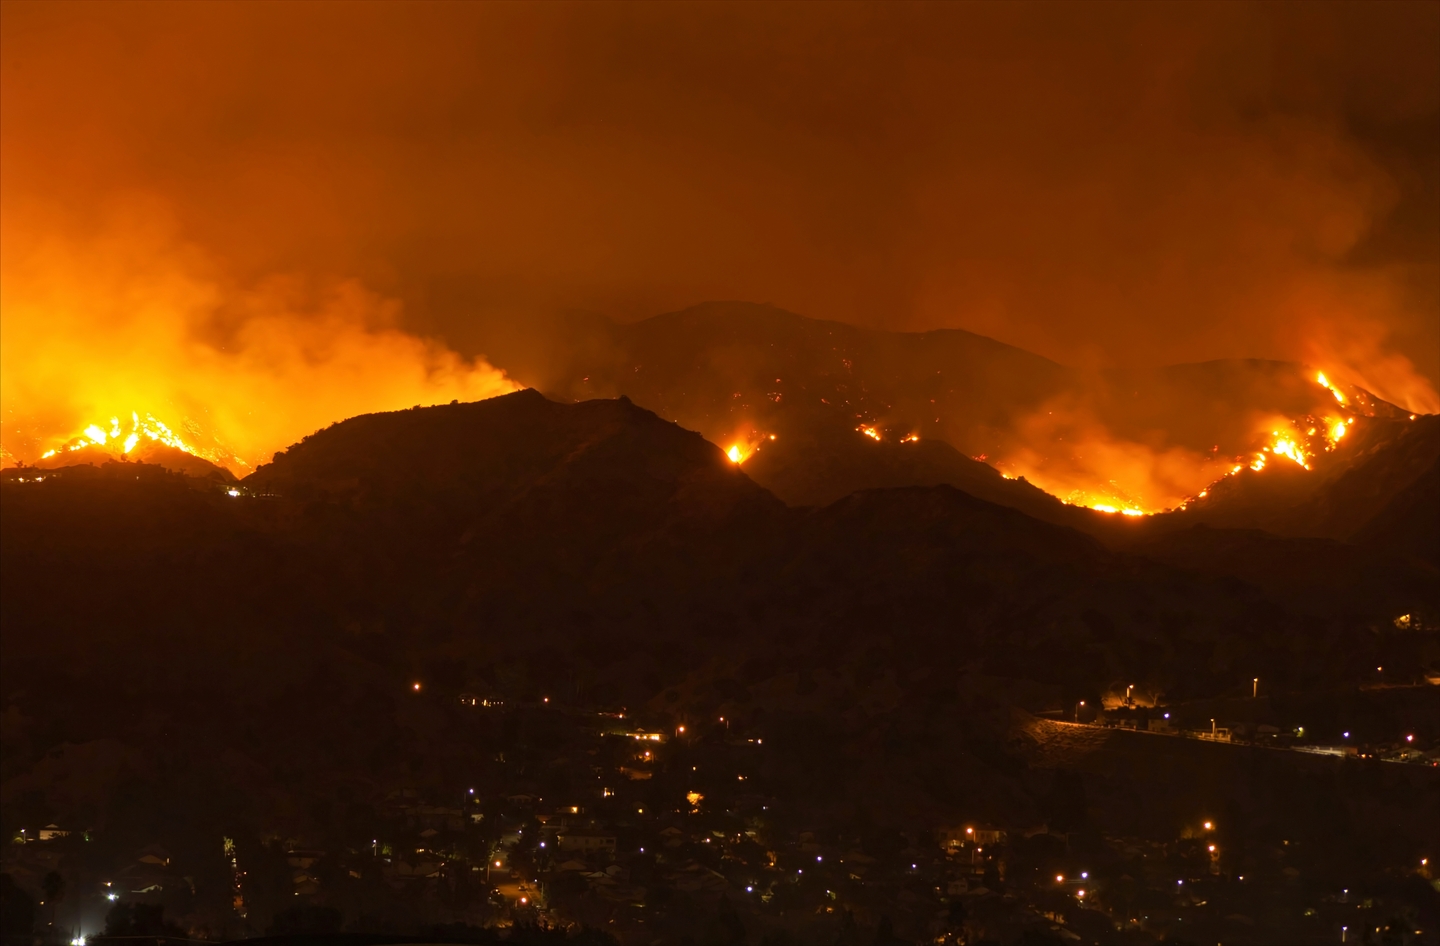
(1084,875)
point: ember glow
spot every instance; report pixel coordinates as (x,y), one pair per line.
(121,440)
(136,337)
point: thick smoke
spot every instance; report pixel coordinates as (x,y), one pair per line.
(1106,185)
(136,320)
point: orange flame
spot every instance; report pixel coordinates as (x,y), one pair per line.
(137,324)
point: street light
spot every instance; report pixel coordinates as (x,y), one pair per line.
(1255,688)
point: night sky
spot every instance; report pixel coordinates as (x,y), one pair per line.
(1105,185)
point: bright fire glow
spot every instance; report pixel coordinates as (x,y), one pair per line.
(1285,447)
(870,432)
(735,454)
(1325,383)
(132,321)
(121,440)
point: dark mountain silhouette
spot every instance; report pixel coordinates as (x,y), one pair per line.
(724,366)
(1383,461)
(1406,526)
(727,368)
(519,524)
(821,464)
(244,657)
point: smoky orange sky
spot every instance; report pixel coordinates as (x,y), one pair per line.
(1102,184)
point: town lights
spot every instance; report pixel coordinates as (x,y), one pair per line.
(415,687)
(1209,826)
(1059,878)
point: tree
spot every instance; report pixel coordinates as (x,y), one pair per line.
(139,919)
(306,918)
(54,888)
(17,909)
(726,929)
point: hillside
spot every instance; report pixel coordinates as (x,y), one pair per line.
(1384,460)
(279,658)
(519,525)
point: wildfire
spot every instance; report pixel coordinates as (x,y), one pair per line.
(121,439)
(870,432)
(1325,383)
(1308,437)
(1077,499)
(745,445)
(1284,446)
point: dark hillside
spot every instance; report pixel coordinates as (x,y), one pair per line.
(1346,490)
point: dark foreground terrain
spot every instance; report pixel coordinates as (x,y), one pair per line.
(474,670)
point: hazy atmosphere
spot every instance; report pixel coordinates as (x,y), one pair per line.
(719,474)
(1104,185)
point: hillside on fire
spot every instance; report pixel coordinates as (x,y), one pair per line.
(519,520)
(319,625)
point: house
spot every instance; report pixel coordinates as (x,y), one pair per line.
(586,840)
(154,855)
(439,817)
(981,835)
(52,832)
(303,860)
